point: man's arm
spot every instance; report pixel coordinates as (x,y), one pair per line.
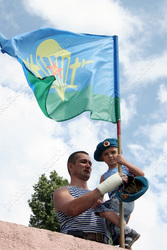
(101,199)
(102,178)
(66,203)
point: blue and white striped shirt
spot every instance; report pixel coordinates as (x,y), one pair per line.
(87,221)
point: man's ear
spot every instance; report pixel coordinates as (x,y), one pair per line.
(70,166)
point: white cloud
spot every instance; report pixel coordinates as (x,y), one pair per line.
(128,108)
(156,169)
(143,71)
(12,74)
(145,220)
(139,72)
(156,133)
(162,94)
(158,70)
(86,16)
(139,153)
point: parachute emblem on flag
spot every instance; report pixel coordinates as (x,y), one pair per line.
(50,56)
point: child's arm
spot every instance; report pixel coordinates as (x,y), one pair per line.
(133,169)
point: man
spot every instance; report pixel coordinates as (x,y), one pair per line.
(74,203)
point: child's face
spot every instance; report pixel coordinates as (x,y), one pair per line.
(109,156)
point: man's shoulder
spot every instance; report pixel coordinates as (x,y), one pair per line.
(60,190)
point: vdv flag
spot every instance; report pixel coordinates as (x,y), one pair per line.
(69,73)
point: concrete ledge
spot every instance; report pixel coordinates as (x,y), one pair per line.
(19,237)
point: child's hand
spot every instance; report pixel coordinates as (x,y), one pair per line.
(132,169)
(97,203)
(120,159)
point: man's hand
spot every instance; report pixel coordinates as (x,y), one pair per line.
(110,184)
(124,177)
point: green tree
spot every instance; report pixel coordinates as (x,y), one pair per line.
(41,202)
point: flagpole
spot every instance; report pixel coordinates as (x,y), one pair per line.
(121,211)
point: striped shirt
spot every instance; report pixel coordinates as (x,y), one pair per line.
(87,221)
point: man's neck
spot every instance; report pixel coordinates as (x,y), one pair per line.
(79,183)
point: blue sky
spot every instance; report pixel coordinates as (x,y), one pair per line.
(31,144)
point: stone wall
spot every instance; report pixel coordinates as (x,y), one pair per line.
(19,237)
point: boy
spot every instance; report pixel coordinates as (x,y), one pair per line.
(107,151)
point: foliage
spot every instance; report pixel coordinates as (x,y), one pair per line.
(41,202)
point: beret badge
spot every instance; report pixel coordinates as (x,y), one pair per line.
(106,144)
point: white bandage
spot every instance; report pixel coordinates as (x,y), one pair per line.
(110,184)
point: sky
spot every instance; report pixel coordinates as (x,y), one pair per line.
(32,144)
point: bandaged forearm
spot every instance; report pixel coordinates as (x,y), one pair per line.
(110,184)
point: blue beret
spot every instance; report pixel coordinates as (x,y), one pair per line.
(133,191)
(102,146)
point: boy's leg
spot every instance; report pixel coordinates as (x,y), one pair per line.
(130,235)
(112,217)
(109,210)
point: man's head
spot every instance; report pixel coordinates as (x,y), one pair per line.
(79,164)
(103,146)
(72,158)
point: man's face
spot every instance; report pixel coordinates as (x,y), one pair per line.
(82,167)
(109,156)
